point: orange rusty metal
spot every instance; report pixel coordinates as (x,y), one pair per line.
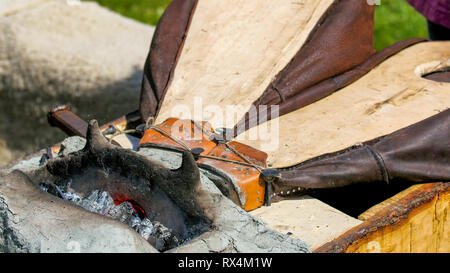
(197,135)
(63,118)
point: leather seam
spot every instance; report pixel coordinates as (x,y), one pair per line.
(380,162)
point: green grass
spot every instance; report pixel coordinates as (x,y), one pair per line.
(146,11)
(395,20)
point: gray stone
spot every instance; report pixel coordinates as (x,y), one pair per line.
(72,144)
(54,53)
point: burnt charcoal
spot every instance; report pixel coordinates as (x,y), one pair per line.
(44,159)
(52,189)
(164,238)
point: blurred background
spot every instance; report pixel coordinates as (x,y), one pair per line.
(395,20)
(53,52)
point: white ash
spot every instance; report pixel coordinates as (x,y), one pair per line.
(102,203)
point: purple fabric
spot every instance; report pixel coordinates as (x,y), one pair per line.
(436,11)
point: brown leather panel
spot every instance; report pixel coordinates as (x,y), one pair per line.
(328,86)
(418,153)
(166,46)
(341,41)
(328,52)
(331,85)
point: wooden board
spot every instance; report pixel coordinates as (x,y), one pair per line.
(233,51)
(389,98)
(417,221)
(308,219)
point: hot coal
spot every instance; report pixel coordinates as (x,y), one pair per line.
(101,202)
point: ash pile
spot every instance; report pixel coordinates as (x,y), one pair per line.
(126,212)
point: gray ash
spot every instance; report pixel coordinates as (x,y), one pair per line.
(102,203)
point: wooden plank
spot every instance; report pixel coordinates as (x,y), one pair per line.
(233,50)
(308,219)
(417,222)
(392,96)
